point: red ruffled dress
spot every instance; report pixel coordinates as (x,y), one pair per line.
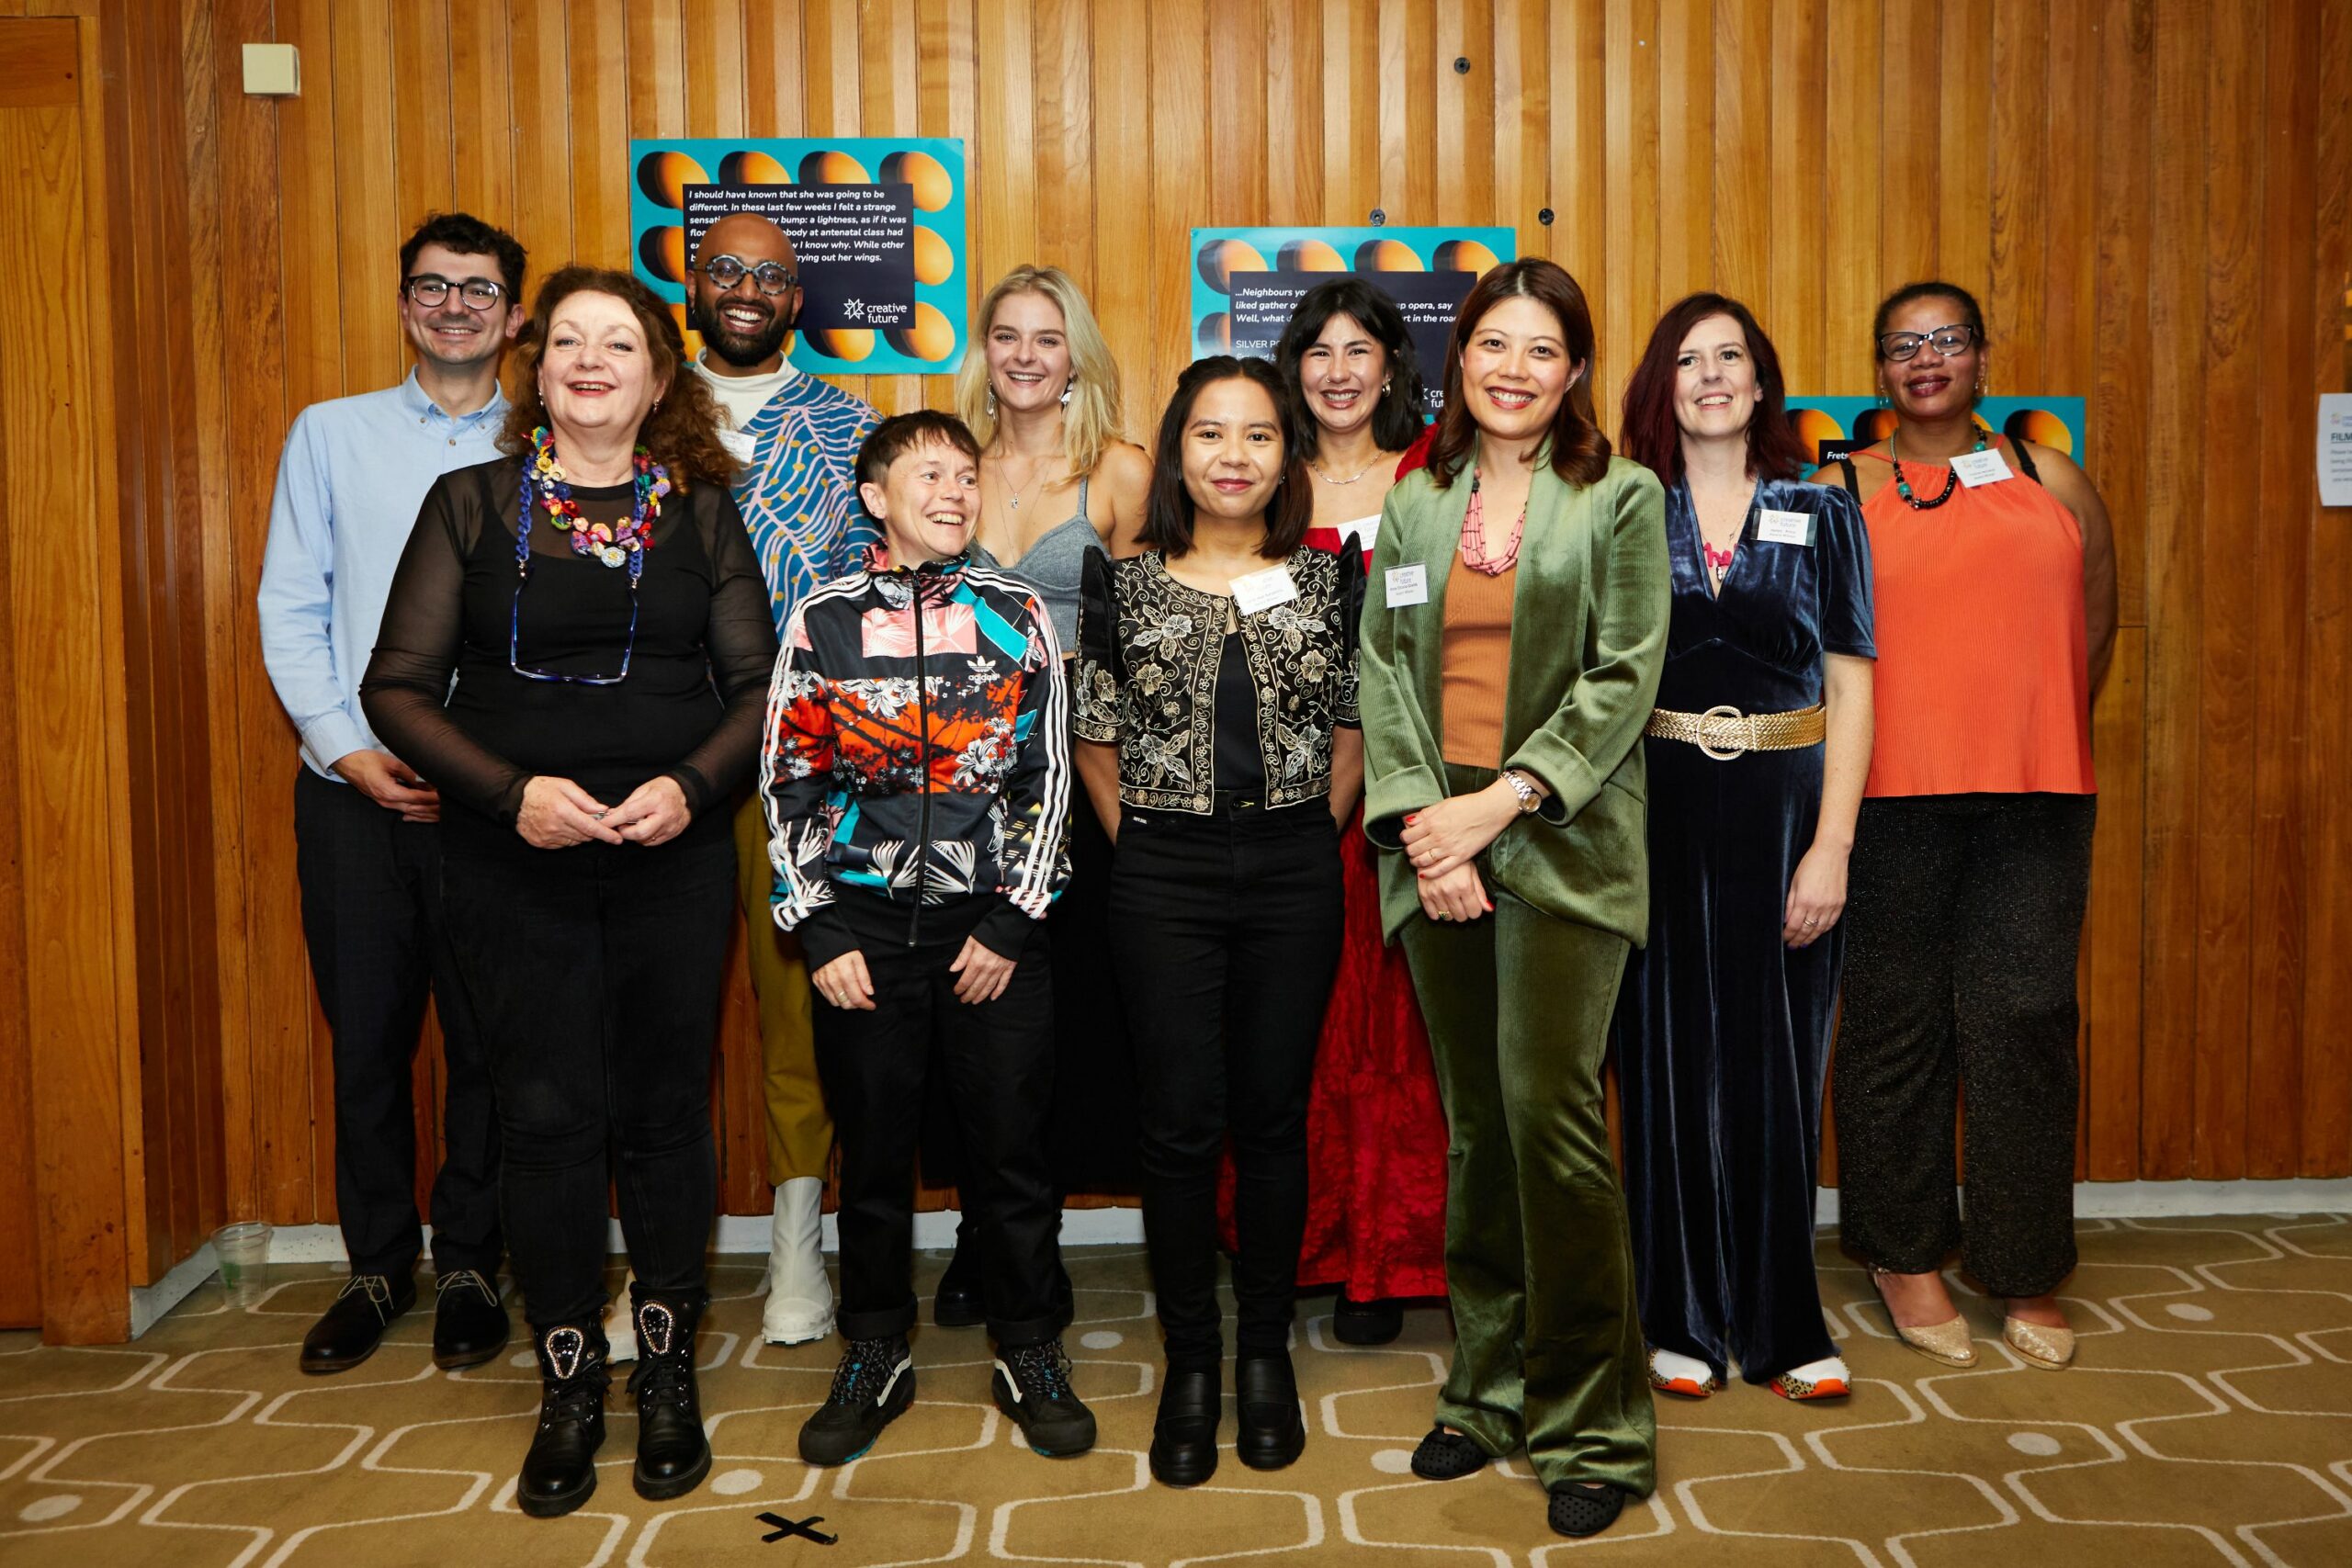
(1376,1130)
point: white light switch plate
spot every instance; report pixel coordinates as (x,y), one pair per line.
(273,71)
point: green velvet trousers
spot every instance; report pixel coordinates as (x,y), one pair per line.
(1547,1336)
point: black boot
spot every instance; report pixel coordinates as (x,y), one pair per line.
(1183,1435)
(672,1451)
(1265,1402)
(559,1472)
(956,1303)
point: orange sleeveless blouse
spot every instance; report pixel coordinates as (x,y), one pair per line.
(1982,681)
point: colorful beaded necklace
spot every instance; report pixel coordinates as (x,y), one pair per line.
(614,544)
(1951,477)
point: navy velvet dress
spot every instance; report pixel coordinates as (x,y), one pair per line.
(1722,1032)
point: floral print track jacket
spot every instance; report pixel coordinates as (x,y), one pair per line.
(918,758)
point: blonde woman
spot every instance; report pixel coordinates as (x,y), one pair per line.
(1058,478)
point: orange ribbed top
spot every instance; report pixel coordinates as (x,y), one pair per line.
(1475,663)
(1983,679)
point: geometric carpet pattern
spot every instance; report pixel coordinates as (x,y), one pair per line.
(2207,1420)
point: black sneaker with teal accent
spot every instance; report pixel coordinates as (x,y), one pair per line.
(874,1382)
(1032,1385)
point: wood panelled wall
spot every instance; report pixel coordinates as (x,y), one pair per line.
(2153,197)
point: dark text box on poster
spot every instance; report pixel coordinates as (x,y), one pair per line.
(1262,303)
(855,246)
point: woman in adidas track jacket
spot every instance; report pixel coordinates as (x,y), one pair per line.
(917,777)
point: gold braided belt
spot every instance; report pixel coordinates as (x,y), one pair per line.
(1724,732)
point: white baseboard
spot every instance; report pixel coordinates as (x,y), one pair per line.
(743,1234)
(150,1303)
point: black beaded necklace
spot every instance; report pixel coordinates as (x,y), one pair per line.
(1951,477)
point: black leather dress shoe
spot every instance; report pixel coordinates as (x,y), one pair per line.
(1183,1435)
(470,1325)
(1366,1323)
(672,1452)
(1265,1398)
(560,1472)
(348,1332)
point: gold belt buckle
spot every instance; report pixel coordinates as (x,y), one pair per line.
(1721,720)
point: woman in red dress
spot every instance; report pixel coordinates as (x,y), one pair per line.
(1375,1132)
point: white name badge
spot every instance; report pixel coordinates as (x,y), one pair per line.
(1784,527)
(1407,585)
(1985,467)
(1263,589)
(1361,532)
(740,445)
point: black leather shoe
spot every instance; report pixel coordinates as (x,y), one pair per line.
(348,1332)
(1580,1510)
(559,1472)
(1183,1435)
(956,1303)
(672,1451)
(1265,1398)
(1366,1323)
(469,1326)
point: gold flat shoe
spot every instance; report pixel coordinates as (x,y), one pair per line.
(2050,1348)
(1946,1342)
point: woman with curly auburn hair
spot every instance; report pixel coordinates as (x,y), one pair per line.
(1512,641)
(576,651)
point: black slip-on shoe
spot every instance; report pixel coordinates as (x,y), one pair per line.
(1581,1510)
(1183,1435)
(1447,1456)
(1265,1397)
(1366,1323)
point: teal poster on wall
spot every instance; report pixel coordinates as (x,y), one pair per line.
(1828,428)
(876,226)
(1246,283)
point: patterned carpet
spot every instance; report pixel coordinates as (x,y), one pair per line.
(2209,1420)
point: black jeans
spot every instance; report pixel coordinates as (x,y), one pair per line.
(372,922)
(997,1059)
(596,973)
(1963,917)
(1225,931)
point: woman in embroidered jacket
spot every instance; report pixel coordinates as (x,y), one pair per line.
(1505,772)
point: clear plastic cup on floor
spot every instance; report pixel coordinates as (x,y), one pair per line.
(243,1251)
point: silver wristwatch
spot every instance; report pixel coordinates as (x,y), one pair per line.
(1524,787)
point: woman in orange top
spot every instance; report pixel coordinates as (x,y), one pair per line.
(1995,583)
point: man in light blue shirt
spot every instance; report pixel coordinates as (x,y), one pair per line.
(367,851)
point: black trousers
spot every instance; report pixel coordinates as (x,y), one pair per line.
(596,973)
(372,919)
(1225,931)
(1963,916)
(998,1060)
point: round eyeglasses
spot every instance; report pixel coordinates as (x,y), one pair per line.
(478,293)
(770,278)
(1946,340)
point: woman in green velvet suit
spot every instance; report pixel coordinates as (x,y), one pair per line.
(1513,635)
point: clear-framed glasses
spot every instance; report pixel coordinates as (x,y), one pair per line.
(727,271)
(514,636)
(1946,341)
(478,293)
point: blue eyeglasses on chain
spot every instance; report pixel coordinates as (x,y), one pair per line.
(523,575)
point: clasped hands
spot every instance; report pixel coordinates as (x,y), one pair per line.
(557,814)
(981,975)
(1444,841)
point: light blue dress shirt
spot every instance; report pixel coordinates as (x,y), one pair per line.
(349,486)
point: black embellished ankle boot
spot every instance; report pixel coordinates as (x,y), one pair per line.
(672,1451)
(559,1472)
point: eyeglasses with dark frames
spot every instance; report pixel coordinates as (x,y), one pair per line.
(770,278)
(478,293)
(1946,340)
(514,636)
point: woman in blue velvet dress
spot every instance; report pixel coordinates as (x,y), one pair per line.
(1757,755)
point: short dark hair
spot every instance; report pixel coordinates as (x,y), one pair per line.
(468,236)
(1168,510)
(1928,288)
(1396,420)
(902,432)
(1652,437)
(1578,451)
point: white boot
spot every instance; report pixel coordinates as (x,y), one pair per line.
(800,1298)
(620,1324)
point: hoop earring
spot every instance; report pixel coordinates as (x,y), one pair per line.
(1067,386)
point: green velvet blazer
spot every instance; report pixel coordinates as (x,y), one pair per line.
(1588,627)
